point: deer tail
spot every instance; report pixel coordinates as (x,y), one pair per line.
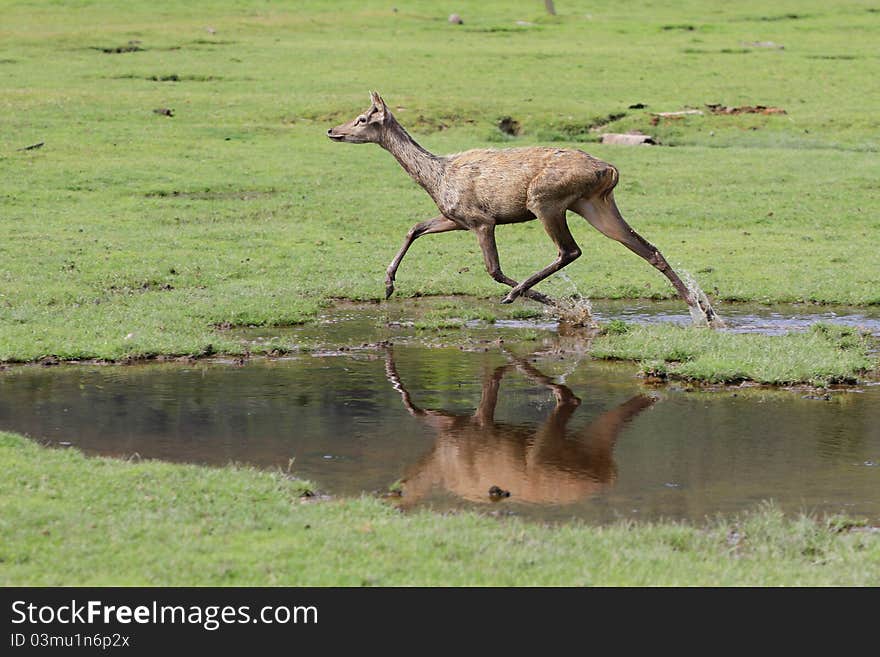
(610,176)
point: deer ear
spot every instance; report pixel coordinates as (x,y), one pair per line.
(378,107)
(377,101)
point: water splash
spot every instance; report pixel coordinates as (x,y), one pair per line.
(574,310)
(702,312)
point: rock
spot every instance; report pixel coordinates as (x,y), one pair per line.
(497,493)
(629,139)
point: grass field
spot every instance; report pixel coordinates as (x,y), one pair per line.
(131,233)
(134,233)
(66,519)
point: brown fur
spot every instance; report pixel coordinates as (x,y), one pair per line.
(480,189)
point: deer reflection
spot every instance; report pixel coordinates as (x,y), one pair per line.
(474,453)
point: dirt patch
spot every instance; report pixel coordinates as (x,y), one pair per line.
(184,78)
(170,77)
(214,195)
(212,42)
(582,130)
(833,57)
(138,288)
(420,122)
(779,17)
(503,29)
(131,46)
(424,123)
(716,108)
(722,51)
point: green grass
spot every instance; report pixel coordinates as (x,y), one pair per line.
(130,233)
(71,520)
(826,354)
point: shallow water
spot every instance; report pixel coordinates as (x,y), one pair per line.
(354,324)
(746,317)
(453,422)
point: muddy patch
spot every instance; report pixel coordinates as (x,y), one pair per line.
(509,126)
(168,77)
(834,57)
(774,18)
(131,46)
(212,42)
(208,194)
(717,108)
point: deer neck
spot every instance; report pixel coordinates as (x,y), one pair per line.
(424,167)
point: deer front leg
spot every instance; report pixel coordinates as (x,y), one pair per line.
(438,224)
(556,227)
(486,239)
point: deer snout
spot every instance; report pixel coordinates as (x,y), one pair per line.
(335,134)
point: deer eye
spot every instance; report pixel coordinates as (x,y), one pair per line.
(362,119)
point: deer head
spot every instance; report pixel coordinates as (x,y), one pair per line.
(366,127)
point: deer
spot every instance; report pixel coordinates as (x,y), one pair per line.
(474,453)
(480,189)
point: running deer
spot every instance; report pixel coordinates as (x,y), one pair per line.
(549,464)
(480,189)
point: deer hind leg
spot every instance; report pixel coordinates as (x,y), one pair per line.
(555,224)
(438,224)
(486,239)
(602,213)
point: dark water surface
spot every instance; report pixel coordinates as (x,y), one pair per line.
(564,435)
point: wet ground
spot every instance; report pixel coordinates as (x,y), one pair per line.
(411,320)
(447,420)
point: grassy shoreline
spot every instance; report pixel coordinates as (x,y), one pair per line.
(71,520)
(824,355)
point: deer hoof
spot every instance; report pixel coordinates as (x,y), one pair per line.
(510,298)
(389,290)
